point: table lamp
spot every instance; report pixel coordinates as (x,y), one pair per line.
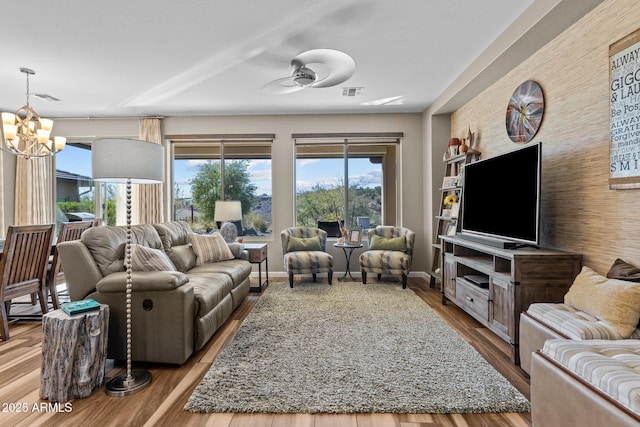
(226,212)
(138,162)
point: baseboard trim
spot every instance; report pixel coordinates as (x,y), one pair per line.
(283,274)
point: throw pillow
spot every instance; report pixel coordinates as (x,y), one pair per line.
(624,271)
(304,244)
(144,258)
(616,302)
(209,248)
(388,244)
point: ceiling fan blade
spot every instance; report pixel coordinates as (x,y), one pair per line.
(281,86)
(341,65)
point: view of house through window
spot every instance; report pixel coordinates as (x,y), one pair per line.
(76,192)
(325,172)
(198,181)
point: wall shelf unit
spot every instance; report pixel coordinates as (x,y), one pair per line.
(446,221)
(495,285)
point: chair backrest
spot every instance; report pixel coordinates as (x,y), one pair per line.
(72,230)
(24,260)
(68,231)
(389,232)
(304,233)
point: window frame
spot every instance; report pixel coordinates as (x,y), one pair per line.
(208,142)
(362,139)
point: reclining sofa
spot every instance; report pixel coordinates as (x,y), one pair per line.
(174,313)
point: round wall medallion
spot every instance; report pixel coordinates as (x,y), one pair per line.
(524,112)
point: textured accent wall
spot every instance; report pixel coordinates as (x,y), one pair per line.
(579,212)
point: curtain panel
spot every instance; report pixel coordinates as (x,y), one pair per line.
(35,179)
(2,230)
(149,197)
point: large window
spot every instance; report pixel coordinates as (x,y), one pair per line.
(351,179)
(78,197)
(205,171)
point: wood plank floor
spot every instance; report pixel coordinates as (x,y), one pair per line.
(161,403)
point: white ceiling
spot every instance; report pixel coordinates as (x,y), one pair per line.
(199,57)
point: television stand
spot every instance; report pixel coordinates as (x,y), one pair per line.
(516,278)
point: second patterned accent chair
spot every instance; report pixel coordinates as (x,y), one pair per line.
(390,252)
(304,252)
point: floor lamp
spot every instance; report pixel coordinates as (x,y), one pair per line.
(132,162)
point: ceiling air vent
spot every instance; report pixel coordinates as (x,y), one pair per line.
(351,91)
(46,97)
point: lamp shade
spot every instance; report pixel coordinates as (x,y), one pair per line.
(228,210)
(119,160)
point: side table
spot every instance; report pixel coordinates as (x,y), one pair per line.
(74,353)
(258,254)
(347,256)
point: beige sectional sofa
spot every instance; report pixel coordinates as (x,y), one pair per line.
(595,308)
(583,355)
(174,313)
(544,321)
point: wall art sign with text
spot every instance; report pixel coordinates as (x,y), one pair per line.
(624,93)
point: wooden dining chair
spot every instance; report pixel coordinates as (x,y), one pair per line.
(68,231)
(23,267)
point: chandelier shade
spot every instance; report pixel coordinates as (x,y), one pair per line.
(26,134)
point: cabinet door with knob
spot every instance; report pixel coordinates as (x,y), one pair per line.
(501,307)
(449,278)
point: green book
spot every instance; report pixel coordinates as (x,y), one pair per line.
(81,306)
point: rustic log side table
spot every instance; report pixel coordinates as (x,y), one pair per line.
(74,353)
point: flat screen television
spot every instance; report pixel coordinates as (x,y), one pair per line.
(501,198)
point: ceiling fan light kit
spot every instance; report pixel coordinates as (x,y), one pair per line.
(341,67)
(304,76)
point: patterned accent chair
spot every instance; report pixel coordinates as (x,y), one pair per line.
(304,252)
(390,251)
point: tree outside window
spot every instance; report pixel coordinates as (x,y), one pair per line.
(198,184)
(324,173)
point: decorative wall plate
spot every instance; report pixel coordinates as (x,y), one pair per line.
(524,112)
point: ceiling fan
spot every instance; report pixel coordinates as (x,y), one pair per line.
(334,67)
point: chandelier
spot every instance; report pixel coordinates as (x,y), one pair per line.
(26,134)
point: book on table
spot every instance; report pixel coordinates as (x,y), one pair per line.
(79,307)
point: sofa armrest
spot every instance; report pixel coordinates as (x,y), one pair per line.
(142,281)
(80,269)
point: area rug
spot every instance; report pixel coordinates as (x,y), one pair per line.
(350,348)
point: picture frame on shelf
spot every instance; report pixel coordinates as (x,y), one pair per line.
(354,237)
(450,181)
(450,229)
(455,210)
